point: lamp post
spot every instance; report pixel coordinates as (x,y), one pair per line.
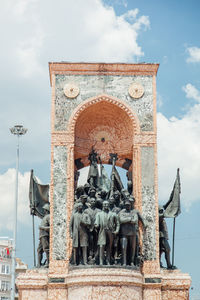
(17,130)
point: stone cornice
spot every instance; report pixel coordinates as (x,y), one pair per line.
(68,68)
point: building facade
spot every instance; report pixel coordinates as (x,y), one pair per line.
(5,268)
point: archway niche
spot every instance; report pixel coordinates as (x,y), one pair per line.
(107,128)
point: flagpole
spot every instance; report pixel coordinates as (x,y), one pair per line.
(33,220)
(174,223)
(33,223)
(17,130)
(113,158)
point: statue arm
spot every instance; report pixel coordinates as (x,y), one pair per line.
(140,217)
(46,228)
(71,226)
(124,219)
(165,229)
(45,224)
(117,224)
(97,222)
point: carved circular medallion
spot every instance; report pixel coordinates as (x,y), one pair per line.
(71,90)
(136,90)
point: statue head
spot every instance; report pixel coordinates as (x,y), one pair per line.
(125,194)
(86,188)
(83,198)
(105,205)
(79,191)
(103,194)
(111,201)
(79,207)
(116,194)
(92,202)
(92,192)
(127,204)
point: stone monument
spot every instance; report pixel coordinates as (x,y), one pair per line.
(103,113)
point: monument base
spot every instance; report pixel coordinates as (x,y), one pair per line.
(103,284)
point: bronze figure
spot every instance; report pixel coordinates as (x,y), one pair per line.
(79,224)
(163,239)
(107,224)
(43,246)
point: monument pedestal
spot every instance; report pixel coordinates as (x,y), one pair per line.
(103,284)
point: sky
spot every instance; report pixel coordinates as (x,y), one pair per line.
(35,32)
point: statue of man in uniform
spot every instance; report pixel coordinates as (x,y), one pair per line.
(107,223)
(128,232)
(138,218)
(92,211)
(79,224)
(43,246)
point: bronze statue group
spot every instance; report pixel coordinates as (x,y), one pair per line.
(104,224)
(105,228)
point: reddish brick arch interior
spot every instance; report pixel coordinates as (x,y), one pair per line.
(108,126)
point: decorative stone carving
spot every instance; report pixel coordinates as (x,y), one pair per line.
(136,90)
(71,90)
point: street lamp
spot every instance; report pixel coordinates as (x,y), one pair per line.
(17,130)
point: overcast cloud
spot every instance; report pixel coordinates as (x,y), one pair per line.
(37,33)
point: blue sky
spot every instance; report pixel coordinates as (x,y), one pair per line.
(35,32)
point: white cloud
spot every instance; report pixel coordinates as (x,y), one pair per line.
(178,146)
(71,30)
(194,54)
(191,92)
(7,192)
(34,32)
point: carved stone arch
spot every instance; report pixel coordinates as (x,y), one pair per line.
(107,124)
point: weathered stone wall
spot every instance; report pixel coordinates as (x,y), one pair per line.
(148,202)
(59,202)
(93,85)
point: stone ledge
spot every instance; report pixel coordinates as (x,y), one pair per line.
(104,276)
(33,279)
(174,279)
